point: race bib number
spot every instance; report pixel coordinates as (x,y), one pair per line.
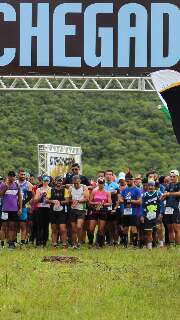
(169,210)
(151,215)
(57,208)
(128,211)
(4,216)
(151,212)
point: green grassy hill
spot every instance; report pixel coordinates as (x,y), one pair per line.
(115,130)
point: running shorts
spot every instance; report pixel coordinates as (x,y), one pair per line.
(129,221)
(77,214)
(149,224)
(172,218)
(58,217)
(98,215)
(23,217)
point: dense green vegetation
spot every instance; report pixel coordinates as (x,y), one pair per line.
(115,130)
(105,284)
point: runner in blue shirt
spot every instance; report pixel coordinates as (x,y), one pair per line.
(131,197)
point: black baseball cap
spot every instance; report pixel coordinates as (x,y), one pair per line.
(129,177)
(11,174)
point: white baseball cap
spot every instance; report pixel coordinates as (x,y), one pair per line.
(122,176)
(174,172)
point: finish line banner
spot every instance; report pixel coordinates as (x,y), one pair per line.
(88,37)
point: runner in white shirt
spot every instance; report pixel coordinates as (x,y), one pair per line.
(79,196)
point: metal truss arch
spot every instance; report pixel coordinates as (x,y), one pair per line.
(79,83)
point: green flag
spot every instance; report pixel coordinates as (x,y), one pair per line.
(165,110)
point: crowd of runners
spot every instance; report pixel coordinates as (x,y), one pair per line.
(123,210)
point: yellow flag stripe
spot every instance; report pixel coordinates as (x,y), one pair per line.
(172,86)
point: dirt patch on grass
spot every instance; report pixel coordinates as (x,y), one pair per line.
(61,259)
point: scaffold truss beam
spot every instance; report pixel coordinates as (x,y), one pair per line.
(79,83)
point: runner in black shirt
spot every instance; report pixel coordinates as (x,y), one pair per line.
(75,169)
(151,214)
(58,215)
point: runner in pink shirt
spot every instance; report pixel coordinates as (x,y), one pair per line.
(100,200)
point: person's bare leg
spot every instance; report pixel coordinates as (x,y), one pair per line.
(63,233)
(29,227)
(114,232)
(54,235)
(80,224)
(74,233)
(3,233)
(92,226)
(101,231)
(171,234)
(134,236)
(149,239)
(23,231)
(84,231)
(177,233)
(12,231)
(125,232)
(160,234)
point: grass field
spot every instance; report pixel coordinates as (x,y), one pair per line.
(105,284)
